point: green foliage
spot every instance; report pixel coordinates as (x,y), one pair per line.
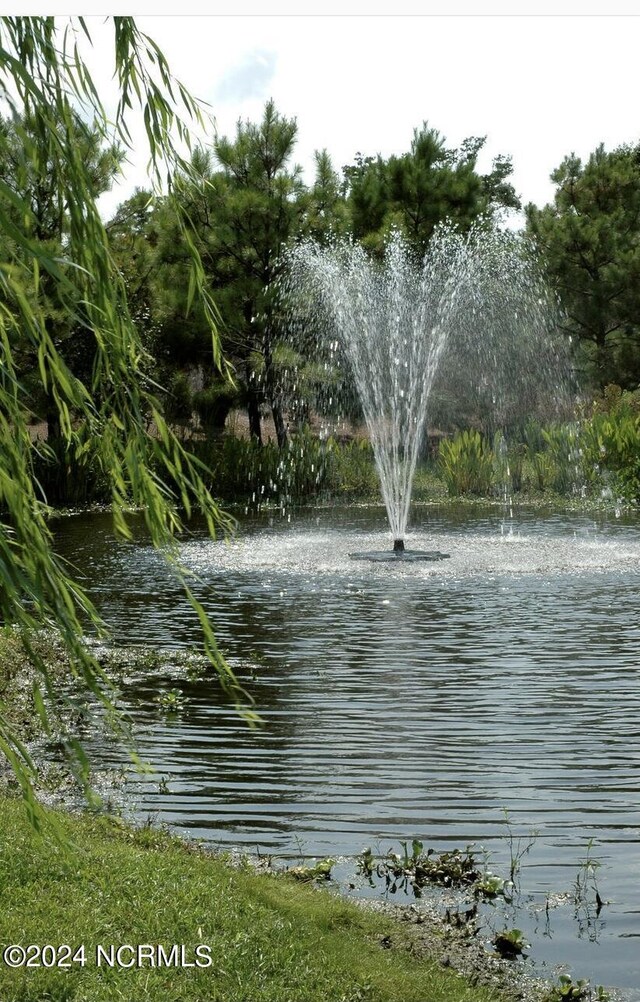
(103,413)
(213,404)
(508,463)
(601,451)
(611,442)
(31,174)
(242,469)
(510,943)
(179,405)
(568,990)
(617,402)
(326,213)
(351,470)
(453,868)
(366,862)
(70,478)
(171,700)
(246,201)
(586,886)
(589,237)
(466,463)
(516,455)
(563,457)
(321,870)
(533,442)
(421,188)
(519,847)
(416,868)
(489,885)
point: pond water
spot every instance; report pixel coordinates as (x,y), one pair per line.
(402,701)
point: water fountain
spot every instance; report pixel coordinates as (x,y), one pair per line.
(473,310)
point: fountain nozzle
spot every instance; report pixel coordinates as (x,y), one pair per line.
(398,546)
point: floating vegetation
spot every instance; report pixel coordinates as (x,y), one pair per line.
(568,990)
(318,871)
(490,885)
(510,943)
(131,664)
(456,868)
(171,700)
(464,873)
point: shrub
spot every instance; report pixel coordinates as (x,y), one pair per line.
(241,468)
(213,404)
(564,457)
(351,469)
(178,406)
(67,477)
(612,445)
(536,458)
(466,464)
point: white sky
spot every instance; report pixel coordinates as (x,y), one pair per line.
(539,87)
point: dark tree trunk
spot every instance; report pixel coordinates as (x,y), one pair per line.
(279,422)
(253,410)
(602,358)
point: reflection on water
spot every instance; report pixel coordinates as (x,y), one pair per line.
(422,701)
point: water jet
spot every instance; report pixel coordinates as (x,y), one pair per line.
(456,313)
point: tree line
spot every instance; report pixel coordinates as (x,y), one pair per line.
(246,201)
(250,202)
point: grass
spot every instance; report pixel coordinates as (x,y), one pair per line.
(271,940)
(93,881)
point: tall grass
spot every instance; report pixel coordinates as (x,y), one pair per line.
(466,464)
(243,470)
(599,452)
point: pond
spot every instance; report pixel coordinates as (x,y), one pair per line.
(495,693)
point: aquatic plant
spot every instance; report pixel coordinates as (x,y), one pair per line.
(454,868)
(171,700)
(466,463)
(563,451)
(519,847)
(586,879)
(490,885)
(510,943)
(318,871)
(612,444)
(568,990)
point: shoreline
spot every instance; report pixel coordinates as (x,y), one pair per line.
(450,946)
(396,959)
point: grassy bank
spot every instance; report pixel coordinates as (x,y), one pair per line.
(269,938)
